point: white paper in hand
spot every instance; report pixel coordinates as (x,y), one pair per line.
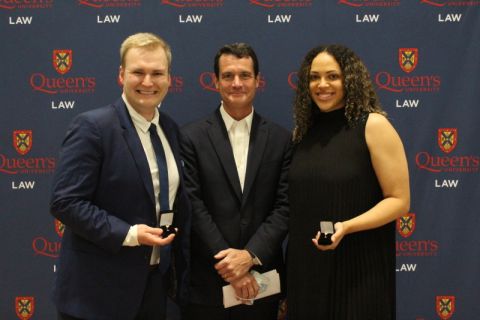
(269,283)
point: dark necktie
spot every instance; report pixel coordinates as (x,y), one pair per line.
(164,190)
(162,168)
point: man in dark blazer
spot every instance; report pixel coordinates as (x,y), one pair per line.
(106,190)
(236,165)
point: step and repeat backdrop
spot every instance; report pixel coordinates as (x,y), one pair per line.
(61,57)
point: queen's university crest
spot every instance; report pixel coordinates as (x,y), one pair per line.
(59,228)
(445,306)
(22,141)
(24,307)
(408,58)
(62,60)
(406,225)
(447,139)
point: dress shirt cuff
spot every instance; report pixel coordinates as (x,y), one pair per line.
(131,240)
(256,261)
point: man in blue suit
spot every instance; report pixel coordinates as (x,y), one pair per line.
(236,166)
(116,262)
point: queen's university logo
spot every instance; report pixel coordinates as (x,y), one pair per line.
(406,225)
(62,60)
(59,228)
(447,139)
(408,58)
(22,141)
(24,307)
(445,306)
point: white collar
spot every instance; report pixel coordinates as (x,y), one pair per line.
(138,120)
(229,121)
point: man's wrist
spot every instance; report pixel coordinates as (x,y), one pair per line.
(255,260)
(131,239)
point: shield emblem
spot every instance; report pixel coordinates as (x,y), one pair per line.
(447,139)
(24,307)
(62,60)
(406,225)
(408,59)
(22,141)
(59,228)
(445,306)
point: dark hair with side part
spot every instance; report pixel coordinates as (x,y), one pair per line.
(360,97)
(239,50)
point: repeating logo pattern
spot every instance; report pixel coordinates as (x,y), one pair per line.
(62,60)
(62,63)
(453,3)
(43,246)
(406,225)
(408,62)
(99,4)
(59,228)
(25,4)
(408,58)
(24,307)
(370,3)
(445,306)
(282,3)
(447,139)
(22,141)
(193,4)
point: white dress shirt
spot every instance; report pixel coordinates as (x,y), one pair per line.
(239,135)
(142,126)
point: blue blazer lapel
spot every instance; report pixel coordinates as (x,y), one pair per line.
(133,142)
(258,141)
(221,144)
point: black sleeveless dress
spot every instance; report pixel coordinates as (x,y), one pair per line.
(331,178)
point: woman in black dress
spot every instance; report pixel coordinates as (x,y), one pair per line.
(349,167)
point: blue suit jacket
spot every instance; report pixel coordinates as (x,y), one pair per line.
(102,186)
(224,216)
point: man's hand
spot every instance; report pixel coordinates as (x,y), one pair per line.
(246,288)
(233,264)
(152,236)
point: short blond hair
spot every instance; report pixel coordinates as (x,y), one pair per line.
(144,40)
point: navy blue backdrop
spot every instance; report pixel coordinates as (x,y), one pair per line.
(432,100)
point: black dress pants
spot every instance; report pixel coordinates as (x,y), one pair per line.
(261,310)
(154,299)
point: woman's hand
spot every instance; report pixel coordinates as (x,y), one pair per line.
(336,238)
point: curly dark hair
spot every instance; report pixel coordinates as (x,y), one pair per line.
(360,97)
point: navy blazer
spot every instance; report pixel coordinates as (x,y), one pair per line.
(224,217)
(101,187)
